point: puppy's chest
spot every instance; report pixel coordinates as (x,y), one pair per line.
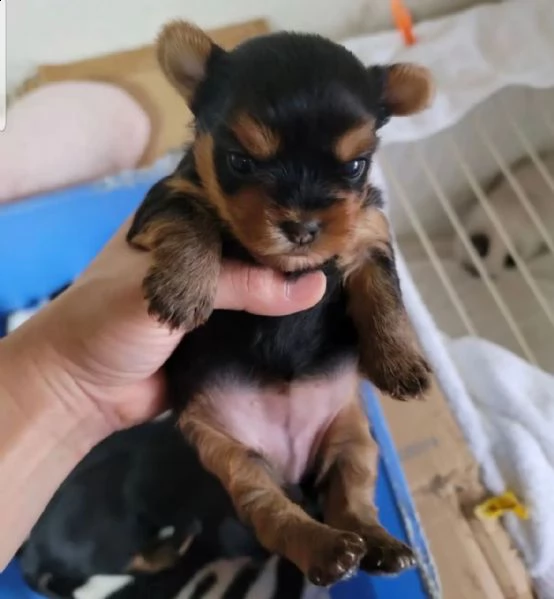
(266,349)
(285,423)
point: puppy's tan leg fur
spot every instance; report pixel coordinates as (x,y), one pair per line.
(157,559)
(160,555)
(183,237)
(348,477)
(322,553)
(389,355)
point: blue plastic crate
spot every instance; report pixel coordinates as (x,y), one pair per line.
(46,241)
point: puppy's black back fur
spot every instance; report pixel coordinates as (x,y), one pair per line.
(281,77)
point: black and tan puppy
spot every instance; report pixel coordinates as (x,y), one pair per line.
(107,515)
(139,504)
(285,129)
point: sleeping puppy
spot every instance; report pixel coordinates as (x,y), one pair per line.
(285,129)
(135,505)
(526,238)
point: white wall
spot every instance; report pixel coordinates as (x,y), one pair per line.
(43,31)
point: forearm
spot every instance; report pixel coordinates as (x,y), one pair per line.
(42,437)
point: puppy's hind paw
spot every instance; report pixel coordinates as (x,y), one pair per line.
(336,558)
(390,557)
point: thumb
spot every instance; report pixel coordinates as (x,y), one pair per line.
(264,291)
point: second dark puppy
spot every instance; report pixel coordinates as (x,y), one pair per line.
(278,175)
(137,504)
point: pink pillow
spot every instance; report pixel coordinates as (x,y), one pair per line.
(67,133)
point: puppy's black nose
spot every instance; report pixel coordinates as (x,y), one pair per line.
(481,243)
(301,233)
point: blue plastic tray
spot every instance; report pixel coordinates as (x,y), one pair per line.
(46,241)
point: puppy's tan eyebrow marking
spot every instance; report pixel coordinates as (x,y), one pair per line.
(355,141)
(183,186)
(259,140)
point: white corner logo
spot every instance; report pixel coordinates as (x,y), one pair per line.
(3,68)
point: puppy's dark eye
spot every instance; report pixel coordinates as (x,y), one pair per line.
(354,168)
(509,262)
(241,164)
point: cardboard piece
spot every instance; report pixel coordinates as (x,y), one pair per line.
(138,73)
(475,559)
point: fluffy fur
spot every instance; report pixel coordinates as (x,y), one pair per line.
(277,175)
(523,233)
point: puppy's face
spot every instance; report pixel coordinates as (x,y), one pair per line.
(286,130)
(489,244)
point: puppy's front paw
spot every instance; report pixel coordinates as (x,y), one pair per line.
(179,299)
(403,376)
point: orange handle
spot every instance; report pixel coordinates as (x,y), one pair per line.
(403,21)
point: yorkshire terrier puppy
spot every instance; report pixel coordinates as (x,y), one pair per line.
(285,129)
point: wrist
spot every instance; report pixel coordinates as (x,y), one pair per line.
(44,400)
(42,438)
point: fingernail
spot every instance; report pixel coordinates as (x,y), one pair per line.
(307,287)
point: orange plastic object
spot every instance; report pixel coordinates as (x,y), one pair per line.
(403,21)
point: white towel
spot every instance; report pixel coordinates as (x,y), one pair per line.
(514,431)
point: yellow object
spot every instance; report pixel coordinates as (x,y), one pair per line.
(498,506)
(403,21)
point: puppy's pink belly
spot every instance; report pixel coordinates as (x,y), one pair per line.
(285,425)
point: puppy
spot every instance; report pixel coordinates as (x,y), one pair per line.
(134,506)
(285,129)
(526,238)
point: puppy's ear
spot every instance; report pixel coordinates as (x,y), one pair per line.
(184,52)
(406,88)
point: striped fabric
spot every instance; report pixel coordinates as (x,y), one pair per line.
(233,579)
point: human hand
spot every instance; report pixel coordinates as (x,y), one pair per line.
(96,348)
